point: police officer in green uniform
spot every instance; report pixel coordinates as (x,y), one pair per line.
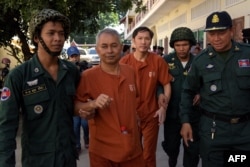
(179,62)
(222,75)
(43,88)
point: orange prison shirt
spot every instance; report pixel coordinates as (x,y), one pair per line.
(106,139)
(149,73)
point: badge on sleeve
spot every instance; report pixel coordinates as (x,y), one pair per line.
(5,93)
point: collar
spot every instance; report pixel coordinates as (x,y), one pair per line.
(38,70)
(235,48)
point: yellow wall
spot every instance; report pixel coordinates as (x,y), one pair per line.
(237,10)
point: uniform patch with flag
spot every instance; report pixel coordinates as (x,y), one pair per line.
(5,93)
(244,63)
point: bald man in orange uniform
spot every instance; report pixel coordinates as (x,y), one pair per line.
(150,69)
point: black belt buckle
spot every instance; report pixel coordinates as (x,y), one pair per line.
(234,120)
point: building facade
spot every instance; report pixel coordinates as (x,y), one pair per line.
(163,16)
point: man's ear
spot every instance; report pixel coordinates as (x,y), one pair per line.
(36,40)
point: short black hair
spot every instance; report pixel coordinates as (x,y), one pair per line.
(139,29)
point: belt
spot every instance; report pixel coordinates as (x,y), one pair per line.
(227,118)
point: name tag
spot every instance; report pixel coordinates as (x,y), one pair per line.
(34,90)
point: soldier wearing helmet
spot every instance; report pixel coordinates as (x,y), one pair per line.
(43,89)
(36,26)
(179,62)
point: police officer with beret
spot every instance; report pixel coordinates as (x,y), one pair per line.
(179,62)
(43,88)
(222,75)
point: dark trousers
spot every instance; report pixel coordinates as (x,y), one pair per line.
(228,137)
(172,142)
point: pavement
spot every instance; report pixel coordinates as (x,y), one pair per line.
(161,156)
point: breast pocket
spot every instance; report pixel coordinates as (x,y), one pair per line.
(36,104)
(212,83)
(243,78)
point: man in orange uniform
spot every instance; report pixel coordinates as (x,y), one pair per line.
(150,69)
(106,95)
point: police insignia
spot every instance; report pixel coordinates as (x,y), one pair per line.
(171,66)
(215,19)
(236,48)
(5,93)
(32,83)
(209,66)
(38,109)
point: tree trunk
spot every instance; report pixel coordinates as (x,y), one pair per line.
(25,46)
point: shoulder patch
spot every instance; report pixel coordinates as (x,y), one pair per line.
(5,93)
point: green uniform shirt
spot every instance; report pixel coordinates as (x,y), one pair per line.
(179,74)
(224,84)
(47,108)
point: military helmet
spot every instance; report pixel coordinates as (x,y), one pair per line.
(182,33)
(44,16)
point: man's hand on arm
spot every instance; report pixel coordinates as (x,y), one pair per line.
(161,114)
(87,110)
(163,101)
